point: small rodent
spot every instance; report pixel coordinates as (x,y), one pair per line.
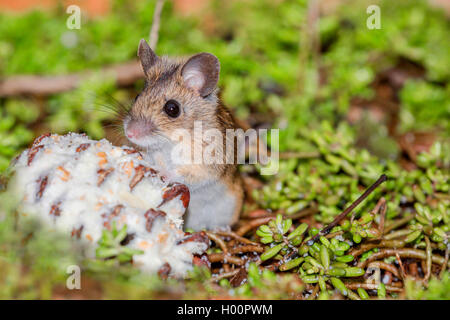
(177,93)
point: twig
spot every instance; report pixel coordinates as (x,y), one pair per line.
(383,209)
(404,253)
(370,286)
(341,216)
(222,246)
(400,263)
(125,74)
(334,234)
(224,275)
(379,244)
(154,31)
(220,257)
(444,265)
(309,42)
(429,252)
(218,241)
(423,265)
(398,284)
(233,235)
(300,214)
(252,225)
(397,234)
(246,248)
(385,266)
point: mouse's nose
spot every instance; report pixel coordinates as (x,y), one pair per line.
(136,129)
(132,133)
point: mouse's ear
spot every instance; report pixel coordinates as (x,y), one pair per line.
(201,73)
(146,55)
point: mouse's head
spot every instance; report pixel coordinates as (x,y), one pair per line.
(176,94)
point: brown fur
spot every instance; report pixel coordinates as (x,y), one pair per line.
(164,81)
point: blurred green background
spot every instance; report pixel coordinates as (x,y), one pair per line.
(281,66)
(298,65)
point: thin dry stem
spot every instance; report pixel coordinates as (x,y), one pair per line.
(154,31)
(349,209)
(370,286)
(385,266)
(403,253)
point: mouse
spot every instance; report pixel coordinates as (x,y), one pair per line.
(182,93)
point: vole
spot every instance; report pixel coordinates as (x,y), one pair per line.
(177,94)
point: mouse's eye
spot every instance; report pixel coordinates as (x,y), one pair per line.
(172,108)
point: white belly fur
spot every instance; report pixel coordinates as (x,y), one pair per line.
(211,207)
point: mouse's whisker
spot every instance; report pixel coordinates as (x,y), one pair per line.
(108,108)
(125,108)
(112,125)
(107,103)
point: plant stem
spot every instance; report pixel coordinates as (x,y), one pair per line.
(341,216)
(154,31)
